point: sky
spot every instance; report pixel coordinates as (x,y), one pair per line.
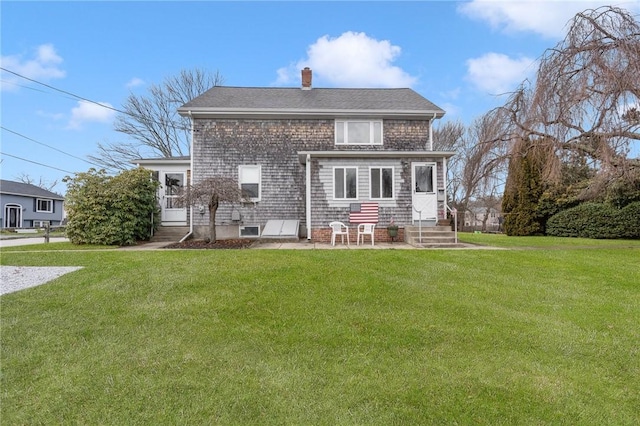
(463,56)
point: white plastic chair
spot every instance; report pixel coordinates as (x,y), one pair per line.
(339,228)
(366,229)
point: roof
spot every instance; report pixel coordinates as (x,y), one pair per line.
(222,101)
(163,160)
(26,189)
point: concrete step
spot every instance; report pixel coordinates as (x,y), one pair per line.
(432,236)
(169,234)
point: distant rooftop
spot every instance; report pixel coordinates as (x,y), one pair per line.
(27,189)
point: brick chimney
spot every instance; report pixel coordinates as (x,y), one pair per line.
(306,78)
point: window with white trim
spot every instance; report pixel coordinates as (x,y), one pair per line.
(249,231)
(250,181)
(358,132)
(44,206)
(345,183)
(381,182)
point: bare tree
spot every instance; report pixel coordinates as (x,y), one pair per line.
(211,192)
(40,183)
(152,121)
(477,171)
(586,95)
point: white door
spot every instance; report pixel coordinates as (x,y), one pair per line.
(172,184)
(13,216)
(424,195)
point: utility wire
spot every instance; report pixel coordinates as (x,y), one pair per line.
(88,100)
(35,162)
(49,146)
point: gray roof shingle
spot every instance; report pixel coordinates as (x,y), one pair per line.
(19,188)
(268,100)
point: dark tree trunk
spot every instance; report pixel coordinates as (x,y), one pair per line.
(213,207)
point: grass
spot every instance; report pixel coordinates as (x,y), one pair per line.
(325,337)
(502,240)
(57,246)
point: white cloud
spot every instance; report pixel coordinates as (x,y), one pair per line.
(135,82)
(350,60)
(44,65)
(86,112)
(496,74)
(548,18)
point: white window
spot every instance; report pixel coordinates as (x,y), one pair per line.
(358,132)
(381,182)
(345,183)
(250,182)
(44,206)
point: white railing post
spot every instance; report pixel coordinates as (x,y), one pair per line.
(454,211)
(419,223)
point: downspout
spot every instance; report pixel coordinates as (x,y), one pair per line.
(308,199)
(444,174)
(186,237)
(431,131)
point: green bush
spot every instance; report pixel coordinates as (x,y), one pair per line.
(110,210)
(596,220)
(630,217)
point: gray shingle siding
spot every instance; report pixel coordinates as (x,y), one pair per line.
(220,146)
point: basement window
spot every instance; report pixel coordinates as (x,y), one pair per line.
(249,231)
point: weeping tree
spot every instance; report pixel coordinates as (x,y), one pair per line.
(211,192)
(585,97)
(579,117)
(151,121)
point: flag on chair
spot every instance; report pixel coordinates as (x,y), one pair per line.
(363,213)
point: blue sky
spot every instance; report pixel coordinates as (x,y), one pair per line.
(459,55)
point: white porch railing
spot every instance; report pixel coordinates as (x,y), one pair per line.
(454,213)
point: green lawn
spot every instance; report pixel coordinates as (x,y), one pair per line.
(548,336)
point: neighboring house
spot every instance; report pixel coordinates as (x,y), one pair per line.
(29,206)
(482,218)
(307,156)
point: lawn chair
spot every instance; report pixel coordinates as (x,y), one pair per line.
(366,229)
(339,228)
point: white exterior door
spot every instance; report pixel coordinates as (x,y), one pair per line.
(13,216)
(171,185)
(424,195)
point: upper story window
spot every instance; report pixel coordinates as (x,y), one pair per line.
(381,182)
(345,183)
(358,132)
(44,206)
(250,182)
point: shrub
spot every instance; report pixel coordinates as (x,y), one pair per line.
(596,220)
(110,210)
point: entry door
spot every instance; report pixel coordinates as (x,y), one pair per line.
(13,216)
(172,214)
(424,194)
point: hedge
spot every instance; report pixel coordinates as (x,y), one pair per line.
(597,220)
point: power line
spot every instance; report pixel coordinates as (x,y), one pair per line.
(35,162)
(89,100)
(49,146)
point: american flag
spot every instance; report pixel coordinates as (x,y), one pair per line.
(364,213)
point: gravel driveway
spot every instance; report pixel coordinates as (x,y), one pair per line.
(14,278)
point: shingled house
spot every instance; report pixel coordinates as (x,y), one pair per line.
(308,156)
